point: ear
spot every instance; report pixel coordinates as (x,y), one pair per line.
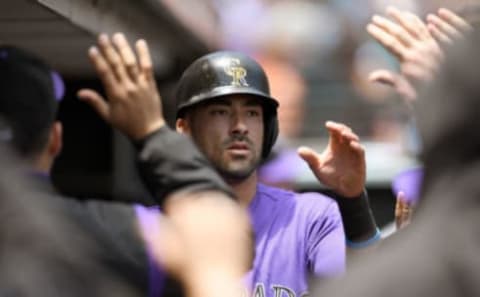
(55,141)
(182,126)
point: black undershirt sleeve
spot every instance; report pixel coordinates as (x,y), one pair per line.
(169,163)
(358,220)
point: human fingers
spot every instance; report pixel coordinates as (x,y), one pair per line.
(310,156)
(337,127)
(96,101)
(357,147)
(127,55)
(438,34)
(399,209)
(409,21)
(102,68)
(342,130)
(443,26)
(398,205)
(334,137)
(406,213)
(350,136)
(394,29)
(455,20)
(339,134)
(112,57)
(145,59)
(417,73)
(390,43)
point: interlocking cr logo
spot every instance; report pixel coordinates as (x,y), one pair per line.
(237,72)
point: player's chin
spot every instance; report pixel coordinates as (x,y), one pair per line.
(239,170)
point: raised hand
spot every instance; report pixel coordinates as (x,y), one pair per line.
(133,103)
(446,26)
(341,166)
(407,38)
(403,211)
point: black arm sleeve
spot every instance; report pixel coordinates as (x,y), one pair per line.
(358,220)
(169,162)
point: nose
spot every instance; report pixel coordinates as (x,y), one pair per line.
(239,126)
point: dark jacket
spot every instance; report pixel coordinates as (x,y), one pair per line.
(53,245)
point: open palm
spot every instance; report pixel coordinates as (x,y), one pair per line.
(341,166)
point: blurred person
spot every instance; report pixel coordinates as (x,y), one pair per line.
(419,48)
(410,40)
(224,105)
(123,243)
(44,251)
(438,254)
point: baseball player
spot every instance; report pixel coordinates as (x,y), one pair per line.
(224,105)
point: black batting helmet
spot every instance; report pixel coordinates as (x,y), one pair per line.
(228,73)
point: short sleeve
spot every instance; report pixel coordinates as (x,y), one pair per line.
(326,251)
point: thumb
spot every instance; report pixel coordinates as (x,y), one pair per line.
(96,101)
(310,156)
(383,76)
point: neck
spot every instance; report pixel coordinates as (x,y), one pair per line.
(244,189)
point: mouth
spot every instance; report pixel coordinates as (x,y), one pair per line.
(239,148)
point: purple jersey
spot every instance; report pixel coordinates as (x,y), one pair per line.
(295,234)
(149,226)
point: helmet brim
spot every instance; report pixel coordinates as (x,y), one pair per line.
(266,100)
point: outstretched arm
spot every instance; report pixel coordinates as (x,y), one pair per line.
(133,103)
(416,44)
(169,163)
(407,37)
(208,242)
(341,167)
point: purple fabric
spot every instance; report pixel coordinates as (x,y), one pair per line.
(295,234)
(148,221)
(409,182)
(58,85)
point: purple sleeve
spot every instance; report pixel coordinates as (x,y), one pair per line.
(148,222)
(326,251)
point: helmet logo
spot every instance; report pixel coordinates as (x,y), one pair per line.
(237,72)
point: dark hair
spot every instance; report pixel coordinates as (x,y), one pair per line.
(28,100)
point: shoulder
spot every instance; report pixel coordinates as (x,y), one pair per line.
(273,193)
(304,202)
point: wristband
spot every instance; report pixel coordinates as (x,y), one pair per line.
(358,220)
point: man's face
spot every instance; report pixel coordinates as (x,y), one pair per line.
(229,132)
